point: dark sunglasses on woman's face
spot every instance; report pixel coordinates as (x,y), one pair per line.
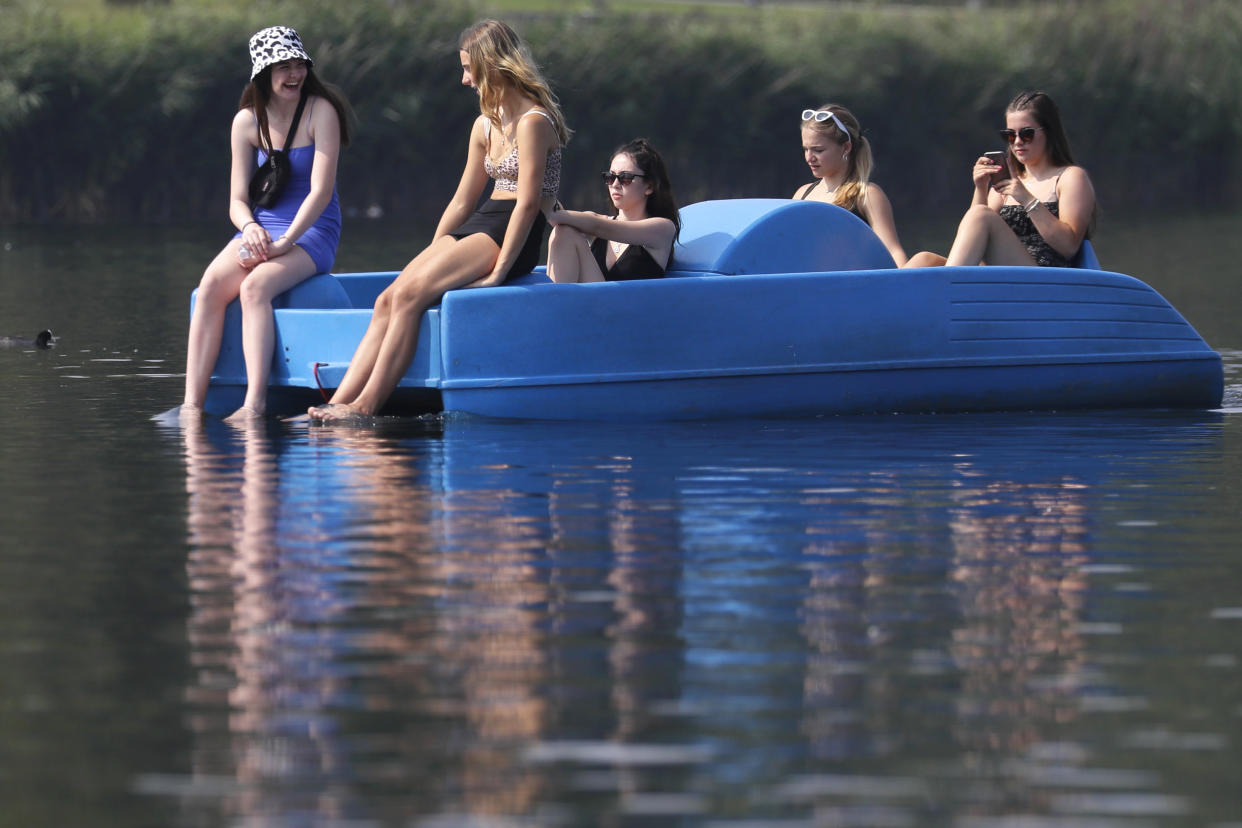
(1027,134)
(624,177)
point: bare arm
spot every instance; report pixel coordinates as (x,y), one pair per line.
(654,233)
(243,138)
(1075,204)
(880,216)
(470,187)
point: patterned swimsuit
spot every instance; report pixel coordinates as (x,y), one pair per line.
(505,171)
(1022,226)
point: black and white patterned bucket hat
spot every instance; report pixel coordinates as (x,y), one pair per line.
(273,45)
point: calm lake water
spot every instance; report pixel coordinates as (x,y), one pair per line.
(979,621)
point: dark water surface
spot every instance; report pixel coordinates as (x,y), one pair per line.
(993,620)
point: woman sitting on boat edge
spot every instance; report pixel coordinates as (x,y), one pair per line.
(516,141)
(279,246)
(840,158)
(1035,212)
(636,242)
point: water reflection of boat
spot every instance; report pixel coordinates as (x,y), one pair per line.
(778,308)
(465,622)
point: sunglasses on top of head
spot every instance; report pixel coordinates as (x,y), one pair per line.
(1027,134)
(624,177)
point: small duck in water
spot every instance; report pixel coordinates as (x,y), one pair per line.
(43,339)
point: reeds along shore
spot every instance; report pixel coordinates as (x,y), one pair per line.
(119,111)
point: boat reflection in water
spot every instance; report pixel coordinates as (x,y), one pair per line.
(773,308)
(453,617)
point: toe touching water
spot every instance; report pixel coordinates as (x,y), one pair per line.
(339,414)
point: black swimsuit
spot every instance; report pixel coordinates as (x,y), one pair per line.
(635,263)
(853,209)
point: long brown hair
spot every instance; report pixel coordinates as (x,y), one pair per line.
(258,93)
(1045,112)
(499,60)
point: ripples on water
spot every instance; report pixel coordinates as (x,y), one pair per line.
(860,621)
(984,621)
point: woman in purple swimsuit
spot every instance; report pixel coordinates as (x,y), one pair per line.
(276,247)
(1040,212)
(636,242)
(516,142)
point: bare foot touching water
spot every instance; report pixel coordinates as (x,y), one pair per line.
(339,414)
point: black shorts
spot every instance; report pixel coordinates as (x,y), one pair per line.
(492,219)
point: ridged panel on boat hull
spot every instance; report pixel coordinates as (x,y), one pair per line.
(1189,383)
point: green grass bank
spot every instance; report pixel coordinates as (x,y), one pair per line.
(116,111)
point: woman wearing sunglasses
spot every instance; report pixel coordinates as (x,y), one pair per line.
(840,159)
(636,242)
(1035,212)
(516,142)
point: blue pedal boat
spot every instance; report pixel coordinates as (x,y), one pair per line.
(773,308)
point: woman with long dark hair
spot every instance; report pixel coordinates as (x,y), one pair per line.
(276,247)
(1036,209)
(636,241)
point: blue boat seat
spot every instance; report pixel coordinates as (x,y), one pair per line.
(1085,257)
(321,292)
(775,235)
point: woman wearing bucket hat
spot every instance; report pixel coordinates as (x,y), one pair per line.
(516,142)
(280,245)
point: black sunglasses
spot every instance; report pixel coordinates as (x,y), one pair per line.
(624,177)
(1027,134)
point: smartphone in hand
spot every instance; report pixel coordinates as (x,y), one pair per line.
(998,158)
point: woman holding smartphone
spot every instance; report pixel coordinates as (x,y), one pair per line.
(516,141)
(1038,210)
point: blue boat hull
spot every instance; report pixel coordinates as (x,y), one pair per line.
(774,309)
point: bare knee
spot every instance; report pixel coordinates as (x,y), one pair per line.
(411,299)
(979,215)
(216,287)
(563,234)
(255,293)
(410,293)
(383,303)
(925,258)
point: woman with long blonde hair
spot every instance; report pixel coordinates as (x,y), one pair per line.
(516,141)
(839,156)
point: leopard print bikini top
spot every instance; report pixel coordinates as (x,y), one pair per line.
(505,171)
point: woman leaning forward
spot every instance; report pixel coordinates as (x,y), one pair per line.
(517,142)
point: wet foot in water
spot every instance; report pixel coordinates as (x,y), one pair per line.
(339,414)
(245,415)
(189,413)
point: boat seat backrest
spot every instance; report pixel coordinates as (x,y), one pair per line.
(774,235)
(323,291)
(1085,257)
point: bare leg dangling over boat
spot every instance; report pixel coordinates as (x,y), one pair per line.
(387,348)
